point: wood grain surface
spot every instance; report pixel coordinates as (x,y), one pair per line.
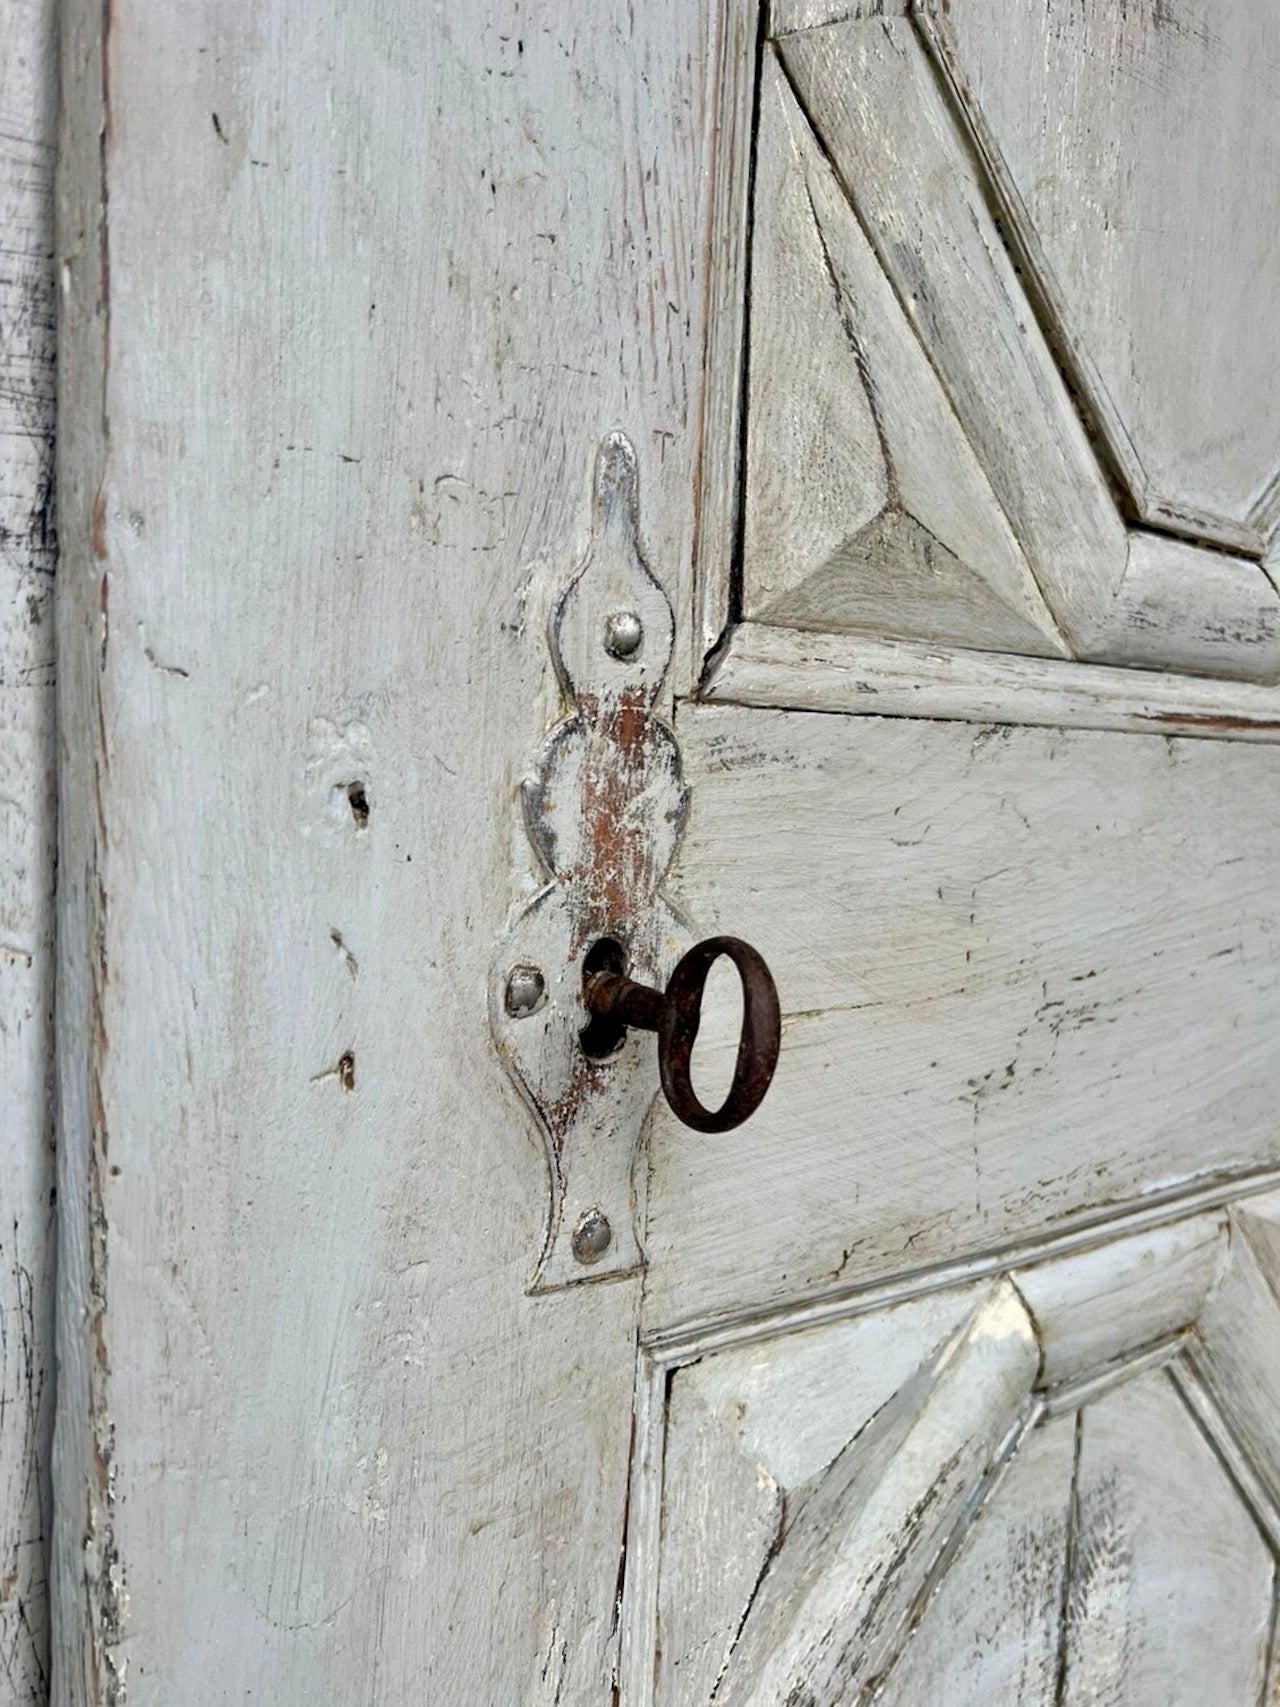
(327,462)
(28,116)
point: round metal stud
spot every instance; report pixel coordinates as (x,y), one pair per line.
(526,991)
(623,632)
(592,1236)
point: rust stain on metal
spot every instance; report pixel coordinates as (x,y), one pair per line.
(603,811)
(617,874)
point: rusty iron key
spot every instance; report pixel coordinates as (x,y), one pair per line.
(616,1002)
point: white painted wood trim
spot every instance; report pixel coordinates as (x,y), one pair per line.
(1167,603)
(28,122)
(858,676)
(670,1346)
(644,1526)
(719,477)
(1191,1303)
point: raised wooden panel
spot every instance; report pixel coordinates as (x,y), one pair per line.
(916,461)
(866,507)
(907,1503)
(992,1634)
(851,1566)
(1136,150)
(745,1430)
(1024,974)
(1169,1597)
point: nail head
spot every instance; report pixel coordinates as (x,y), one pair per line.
(592,1236)
(623,632)
(526,991)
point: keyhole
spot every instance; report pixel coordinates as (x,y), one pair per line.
(602,1034)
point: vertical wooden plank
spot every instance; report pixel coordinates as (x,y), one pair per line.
(328,451)
(28,99)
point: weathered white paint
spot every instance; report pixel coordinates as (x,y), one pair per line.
(1025,975)
(786,1407)
(992,1630)
(1122,1549)
(415,264)
(854,674)
(916,463)
(28,96)
(1106,1305)
(1153,249)
(870,91)
(834,1605)
(866,506)
(325,470)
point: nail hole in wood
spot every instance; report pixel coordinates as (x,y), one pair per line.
(359,804)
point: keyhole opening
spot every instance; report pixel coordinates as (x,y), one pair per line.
(603,1034)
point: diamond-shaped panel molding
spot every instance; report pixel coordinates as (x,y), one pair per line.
(1135,151)
(968,1499)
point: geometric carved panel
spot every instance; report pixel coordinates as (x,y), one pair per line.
(1114,1562)
(866,507)
(1136,149)
(1042,1488)
(951,420)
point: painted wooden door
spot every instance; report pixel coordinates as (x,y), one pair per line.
(821,460)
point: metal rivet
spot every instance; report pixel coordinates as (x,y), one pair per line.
(592,1236)
(623,632)
(526,991)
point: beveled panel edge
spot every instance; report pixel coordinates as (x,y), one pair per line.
(671,1345)
(745,27)
(857,675)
